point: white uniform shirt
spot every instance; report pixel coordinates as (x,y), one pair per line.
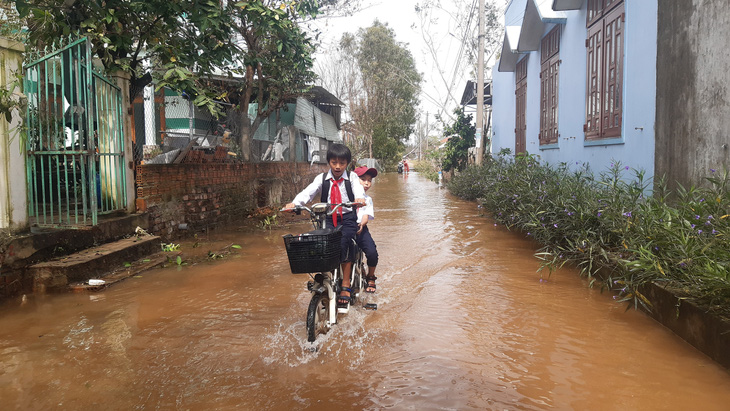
(315,188)
(368,210)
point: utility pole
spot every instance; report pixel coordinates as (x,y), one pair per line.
(425,136)
(419,139)
(480,86)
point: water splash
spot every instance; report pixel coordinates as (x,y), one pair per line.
(348,339)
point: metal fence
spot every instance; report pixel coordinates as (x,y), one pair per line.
(167,126)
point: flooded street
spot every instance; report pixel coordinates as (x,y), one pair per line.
(463,322)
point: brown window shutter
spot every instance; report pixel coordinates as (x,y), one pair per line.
(613,69)
(605,58)
(520,104)
(594,81)
(550,58)
(594,11)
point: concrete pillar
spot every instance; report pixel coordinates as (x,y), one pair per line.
(13,194)
(150,132)
(292,143)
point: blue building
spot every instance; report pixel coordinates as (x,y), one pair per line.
(576,82)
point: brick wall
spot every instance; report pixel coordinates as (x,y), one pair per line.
(207,195)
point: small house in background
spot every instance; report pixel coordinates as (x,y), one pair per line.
(576,82)
(166,123)
(316,119)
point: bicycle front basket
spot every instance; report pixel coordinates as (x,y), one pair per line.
(314,251)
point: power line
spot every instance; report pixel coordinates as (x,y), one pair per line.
(460,54)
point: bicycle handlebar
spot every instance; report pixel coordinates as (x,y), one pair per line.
(347,204)
(333,207)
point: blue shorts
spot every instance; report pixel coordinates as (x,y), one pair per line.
(367,245)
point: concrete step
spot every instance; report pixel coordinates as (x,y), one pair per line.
(122,273)
(44,244)
(95,262)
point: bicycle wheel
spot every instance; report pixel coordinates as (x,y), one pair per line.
(318,316)
(358,275)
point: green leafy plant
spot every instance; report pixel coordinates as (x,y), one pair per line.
(610,227)
(170,247)
(461,134)
(268,222)
(214,256)
(12,101)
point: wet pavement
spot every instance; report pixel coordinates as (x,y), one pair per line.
(463,322)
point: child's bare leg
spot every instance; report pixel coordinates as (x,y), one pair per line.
(346,267)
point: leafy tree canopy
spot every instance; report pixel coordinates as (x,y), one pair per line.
(275,63)
(176,37)
(384,108)
(462,133)
(185,43)
(11,26)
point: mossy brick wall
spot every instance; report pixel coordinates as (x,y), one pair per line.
(204,196)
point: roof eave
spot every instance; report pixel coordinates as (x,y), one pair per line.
(565,5)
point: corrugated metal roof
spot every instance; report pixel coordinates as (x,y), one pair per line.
(330,128)
(312,121)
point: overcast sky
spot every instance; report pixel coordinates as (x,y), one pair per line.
(400,15)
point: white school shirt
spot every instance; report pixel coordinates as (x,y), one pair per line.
(368,210)
(315,187)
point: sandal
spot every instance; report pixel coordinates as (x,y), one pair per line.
(343,301)
(370,287)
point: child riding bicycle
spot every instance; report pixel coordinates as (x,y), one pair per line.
(364,215)
(338,186)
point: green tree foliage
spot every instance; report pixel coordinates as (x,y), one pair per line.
(258,44)
(276,58)
(385,107)
(462,133)
(183,40)
(11,26)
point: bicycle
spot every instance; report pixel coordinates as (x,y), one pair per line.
(317,253)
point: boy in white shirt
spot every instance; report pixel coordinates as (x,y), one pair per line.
(341,187)
(364,215)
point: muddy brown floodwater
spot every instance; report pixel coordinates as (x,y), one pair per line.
(464,322)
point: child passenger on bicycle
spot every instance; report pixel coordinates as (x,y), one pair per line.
(364,215)
(338,186)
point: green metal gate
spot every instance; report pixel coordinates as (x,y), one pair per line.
(75,142)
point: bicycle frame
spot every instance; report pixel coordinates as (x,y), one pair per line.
(327,282)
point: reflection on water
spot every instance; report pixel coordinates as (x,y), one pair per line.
(463,322)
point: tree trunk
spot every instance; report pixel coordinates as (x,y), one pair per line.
(244,141)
